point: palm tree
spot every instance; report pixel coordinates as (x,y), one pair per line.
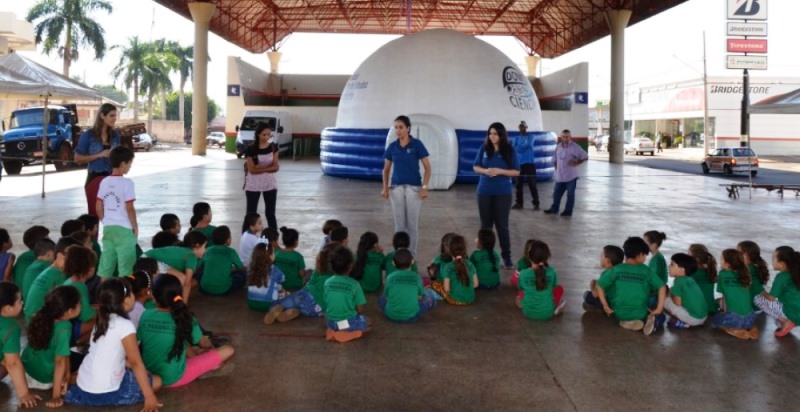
(131,65)
(155,77)
(69,18)
(185,57)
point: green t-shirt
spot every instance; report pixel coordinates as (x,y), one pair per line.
(389,267)
(21,265)
(37,267)
(342,295)
(439,262)
(522,264)
(402,292)
(87,311)
(291,263)
(208,230)
(538,304)
(701,278)
(373,270)
(609,290)
(41,363)
(488,270)
(316,287)
(737,297)
(659,267)
(97,251)
(633,284)
(42,285)
(9,333)
(691,296)
(149,304)
(218,262)
(176,257)
(756,287)
(156,332)
(458,291)
(786,291)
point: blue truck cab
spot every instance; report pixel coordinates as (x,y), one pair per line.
(22,142)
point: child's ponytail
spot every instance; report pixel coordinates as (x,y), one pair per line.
(260,265)
(111,296)
(712,267)
(539,254)
(322,264)
(56,303)
(458,250)
(704,260)
(735,260)
(8,294)
(753,252)
(167,291)
(365,244)
(199,210)
(487,239)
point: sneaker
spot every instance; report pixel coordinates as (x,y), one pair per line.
(739,333)
(566,214)
(273,314)
(649,325)
(785,329)
(223,370)
(288,315)
(631,324)
(517,206)
(560,308)
(676,323)
(507,263)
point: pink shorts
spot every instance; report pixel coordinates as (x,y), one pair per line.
(197,366)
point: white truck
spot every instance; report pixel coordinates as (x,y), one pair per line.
(279,122)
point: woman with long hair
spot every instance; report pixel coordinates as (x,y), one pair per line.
(94,148)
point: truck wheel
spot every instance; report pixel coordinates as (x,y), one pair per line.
(13,167)
(727,170)
(63,159)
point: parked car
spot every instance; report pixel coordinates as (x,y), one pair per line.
(216,139)
(142,141)
(730,160)
(640,145)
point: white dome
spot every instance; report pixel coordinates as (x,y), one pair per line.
(439,72)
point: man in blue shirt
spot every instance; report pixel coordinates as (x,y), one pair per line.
(523,145)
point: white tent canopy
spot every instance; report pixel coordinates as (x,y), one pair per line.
(787,103)
(22,78)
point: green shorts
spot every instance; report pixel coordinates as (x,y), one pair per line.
(119,252)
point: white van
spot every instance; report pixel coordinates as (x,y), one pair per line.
(279,122)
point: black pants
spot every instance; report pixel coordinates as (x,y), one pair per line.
(527,171)
(494,211)
(270,198)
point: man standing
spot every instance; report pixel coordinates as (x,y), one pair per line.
(568,157)
(523,145)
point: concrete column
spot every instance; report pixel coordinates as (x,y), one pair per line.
(201,14)
(532,62)
(274,60)
(617,21)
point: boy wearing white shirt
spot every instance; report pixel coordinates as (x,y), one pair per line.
(115,210)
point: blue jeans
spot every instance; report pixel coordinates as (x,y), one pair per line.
(733,320)
(558,192)
(303,301)
(128,393)
(426,303)
(357,322)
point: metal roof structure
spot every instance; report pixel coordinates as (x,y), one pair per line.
(548,28)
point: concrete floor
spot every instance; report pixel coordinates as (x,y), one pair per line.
(482,357)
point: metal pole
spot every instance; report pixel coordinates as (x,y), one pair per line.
(744,140)
(45,122)
(705,99)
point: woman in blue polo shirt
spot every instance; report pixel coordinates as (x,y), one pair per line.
(406,187)
(94,147)
(496,163)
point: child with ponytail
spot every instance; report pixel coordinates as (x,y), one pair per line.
(79,267)
(658,264)
(543,296)
(103,378)
(706,274)
(369,263)
(201,219)
(783,300)
(459,279)
(47,357)
(141,283)
(10,308)
(738,318)
(759,271)
(486,260)
(165,334)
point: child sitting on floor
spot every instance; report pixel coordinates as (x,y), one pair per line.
(223,271)
(405,299)
(783,301)
(522,264)
(291,262)
(459,280)
(400,240)
(10,308)
(486,260)
(657,262)
(79,267)
(686,304)
(610,256)
(759,271)
(706,274)
(32,235)
(369,263)
(737,317)
(436,268)
(344,299)
(543,297)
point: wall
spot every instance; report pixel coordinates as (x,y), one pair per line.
(168,130)
(566,87)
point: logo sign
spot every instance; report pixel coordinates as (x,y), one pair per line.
(747,45)
(520,91)
(747,9)
(581,98)
(747,29)
(234,90)
(736,61)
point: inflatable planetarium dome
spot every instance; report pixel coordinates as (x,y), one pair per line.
(452,86)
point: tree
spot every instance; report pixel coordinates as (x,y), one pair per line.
(158,63)
(131,66)
(173,104)
(68,19)
(109,91)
